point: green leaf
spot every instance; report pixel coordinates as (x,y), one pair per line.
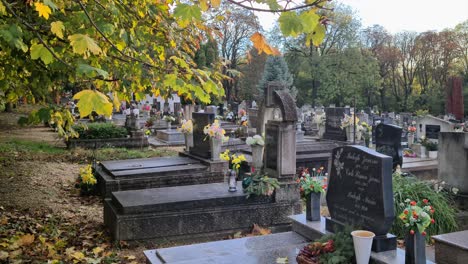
(186,13)
(57,28)
(318,35)
(89,101)
(50,4)
(38,51)
(82,44)
(87,70)
(309,21)
(290,24)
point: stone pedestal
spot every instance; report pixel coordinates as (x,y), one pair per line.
(170,136)
(453,160)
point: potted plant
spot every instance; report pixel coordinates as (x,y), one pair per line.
(311,188)
(431,149)
(411,132)
(423,140)
(416,217)
(234,165)
(216,135)
(256,143)
(169,119)
(259,184)
(187,129)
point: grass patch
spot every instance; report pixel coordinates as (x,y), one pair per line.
(17,145)
(43,151)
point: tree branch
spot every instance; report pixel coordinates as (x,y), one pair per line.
(108,40)
(315,3)
(36,32)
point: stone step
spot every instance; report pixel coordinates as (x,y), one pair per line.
(248,250)
(451,248)
(180,198)
(189,212)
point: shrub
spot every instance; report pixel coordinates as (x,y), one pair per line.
(100,131)
(417,190)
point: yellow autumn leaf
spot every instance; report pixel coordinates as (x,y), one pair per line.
(116,101)
(261,45)
(83,43)
(57,28)
(130,257)
(26,240)
(97,250)
(43,10)
(89,101)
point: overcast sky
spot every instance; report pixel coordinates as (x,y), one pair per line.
(400,15)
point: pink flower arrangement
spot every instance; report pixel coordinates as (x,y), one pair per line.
(214,130)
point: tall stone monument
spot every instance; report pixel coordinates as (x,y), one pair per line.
(454,103)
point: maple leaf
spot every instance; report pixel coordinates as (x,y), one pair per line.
(89,101)
(39,51)
(261,45)
(97,250)
(57,28)
(82,44)
(43,10)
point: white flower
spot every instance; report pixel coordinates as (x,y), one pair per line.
(250,141)
(407,224)
(423,214)
(407,200)
(402,204)
(455,190)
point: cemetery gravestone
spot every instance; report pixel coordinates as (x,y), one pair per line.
(432,131)
(360,194)
(388,142)
(333,130)
(201,147)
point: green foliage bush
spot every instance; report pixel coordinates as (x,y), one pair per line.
(100,131)
(414,189)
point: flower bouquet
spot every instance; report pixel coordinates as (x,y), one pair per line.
(216,135)
(416,218)
(186,127)
(169,118)
(311,188)
(233,159)
(256,143)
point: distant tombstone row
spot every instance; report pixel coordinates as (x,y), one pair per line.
(333,131)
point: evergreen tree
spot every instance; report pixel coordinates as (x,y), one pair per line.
(276,69)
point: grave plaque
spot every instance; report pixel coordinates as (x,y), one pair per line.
(333,130)
(432,131)
(201,147)
(271,147)
(388,142)
(360,193)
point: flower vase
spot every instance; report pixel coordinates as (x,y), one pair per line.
(362,241)
(349,134)
(423,152)
(313,206)
(415,248)
(188,141)
(215,145)
(432,154)
(257,156)
(169,126)
(232,181)
(410,139)
(321,131)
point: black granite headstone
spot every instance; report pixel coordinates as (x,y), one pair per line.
(432,131)
(360,193)
(201,147)
(388,142)
(333,130)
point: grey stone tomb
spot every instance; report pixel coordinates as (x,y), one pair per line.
(360,194)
